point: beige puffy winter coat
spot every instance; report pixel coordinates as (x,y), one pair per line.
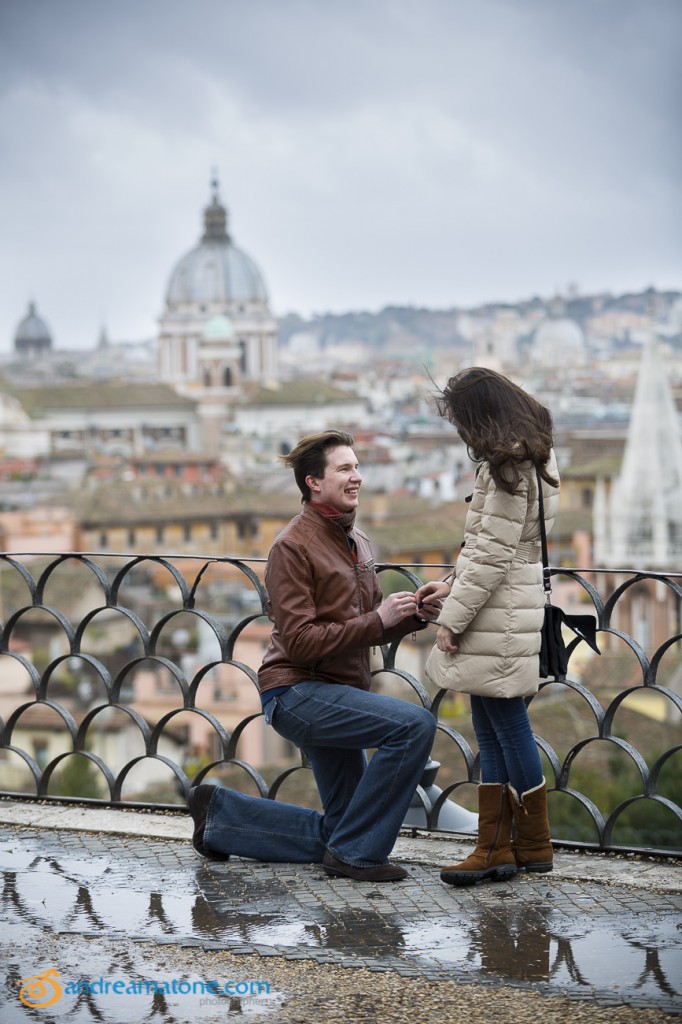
(496,602)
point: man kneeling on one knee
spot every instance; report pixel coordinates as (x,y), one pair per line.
(328,611)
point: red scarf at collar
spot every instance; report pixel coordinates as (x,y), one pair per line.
(346,520)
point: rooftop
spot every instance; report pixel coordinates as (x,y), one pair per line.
(98,395)
(141,502)
(302,392)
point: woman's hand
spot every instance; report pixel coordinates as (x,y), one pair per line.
(430,599)
(447,641)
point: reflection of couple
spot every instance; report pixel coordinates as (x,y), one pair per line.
(328,612)
(513,942)
(515,945)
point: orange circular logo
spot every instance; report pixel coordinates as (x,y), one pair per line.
(41,989)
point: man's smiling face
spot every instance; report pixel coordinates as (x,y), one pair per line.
(340,485)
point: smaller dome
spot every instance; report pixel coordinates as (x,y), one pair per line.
(32,334)
(219,328)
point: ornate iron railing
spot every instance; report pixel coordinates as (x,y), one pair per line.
(82,632)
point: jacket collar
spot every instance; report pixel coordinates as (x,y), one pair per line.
(346,520)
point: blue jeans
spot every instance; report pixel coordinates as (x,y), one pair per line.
(505,741)
(364,802)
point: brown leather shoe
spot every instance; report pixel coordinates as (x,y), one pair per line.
(198,801)
(379,873)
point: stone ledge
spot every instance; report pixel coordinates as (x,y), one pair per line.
(638,871)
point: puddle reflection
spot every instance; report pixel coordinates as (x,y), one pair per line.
(520,944)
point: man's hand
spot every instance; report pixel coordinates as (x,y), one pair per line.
(397,607)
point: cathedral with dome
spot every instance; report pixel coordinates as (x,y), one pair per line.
(216,331)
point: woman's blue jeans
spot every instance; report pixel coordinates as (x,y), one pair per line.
(505,741)
(364,802)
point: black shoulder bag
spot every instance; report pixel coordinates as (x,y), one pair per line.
(553,654)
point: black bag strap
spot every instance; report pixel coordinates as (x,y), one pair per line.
(546,575)
(584,626)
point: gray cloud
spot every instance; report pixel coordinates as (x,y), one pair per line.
(436,152)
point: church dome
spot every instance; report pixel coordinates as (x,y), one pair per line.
(558,339)
(216,270)
(32,334)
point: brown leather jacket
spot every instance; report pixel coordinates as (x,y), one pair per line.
(323,604)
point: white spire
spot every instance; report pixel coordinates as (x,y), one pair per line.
(644,512)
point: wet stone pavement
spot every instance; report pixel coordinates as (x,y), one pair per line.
(91,905)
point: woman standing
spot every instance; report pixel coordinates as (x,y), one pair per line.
(488,639)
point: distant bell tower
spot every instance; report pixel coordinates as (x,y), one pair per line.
(638,521)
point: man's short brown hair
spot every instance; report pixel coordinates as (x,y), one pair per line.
(309,456)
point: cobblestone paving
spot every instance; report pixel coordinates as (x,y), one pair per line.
(610,944)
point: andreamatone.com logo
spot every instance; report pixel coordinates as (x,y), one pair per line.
(45,989)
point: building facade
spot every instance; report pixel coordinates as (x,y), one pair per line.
(86,419)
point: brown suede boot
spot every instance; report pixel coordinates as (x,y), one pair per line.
(532,847)
(492,857)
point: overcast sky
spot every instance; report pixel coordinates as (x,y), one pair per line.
(370,152)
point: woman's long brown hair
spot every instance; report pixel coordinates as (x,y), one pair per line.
(499,422)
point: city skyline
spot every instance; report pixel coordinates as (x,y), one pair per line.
(436,154)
